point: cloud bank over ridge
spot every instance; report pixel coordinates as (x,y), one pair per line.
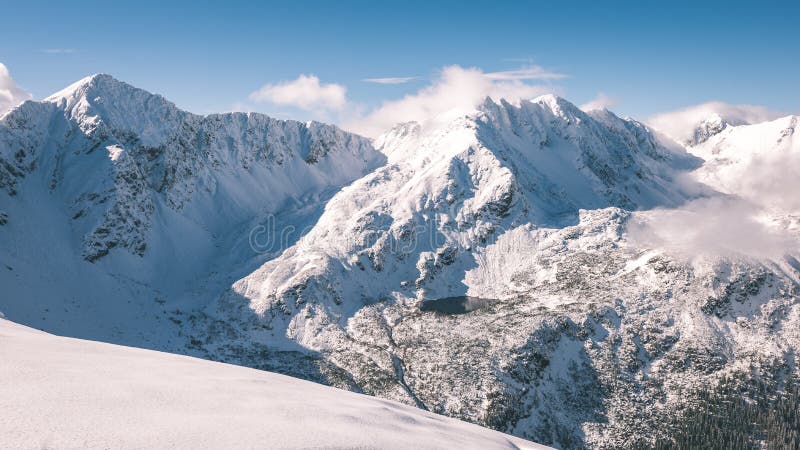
(11,94)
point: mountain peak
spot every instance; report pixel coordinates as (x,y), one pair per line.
(559,106)
(708,127)
(102,94)
(553,101)
(101,98)
(695,125)
(83,86)
(548,98)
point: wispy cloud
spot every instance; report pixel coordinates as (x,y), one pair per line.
(59,51)
(602,101)
(718,226)
(306,92)
(455,88)
(11,95)
(390,80)
(530,72)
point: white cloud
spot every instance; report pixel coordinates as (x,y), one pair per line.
(455,88)
(719,226)
(530,72)
(771,180)
(390,80)
(11,95)
(59,51)
(681,124)
(306,92)
(602,101)
(756,211)
(757,164)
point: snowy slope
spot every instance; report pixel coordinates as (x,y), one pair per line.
(431,223)
(68,393)
(755,162)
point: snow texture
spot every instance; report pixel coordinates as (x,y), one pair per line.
(70,393)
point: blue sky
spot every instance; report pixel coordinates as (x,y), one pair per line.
(209,57)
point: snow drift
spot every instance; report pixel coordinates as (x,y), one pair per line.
(68,393)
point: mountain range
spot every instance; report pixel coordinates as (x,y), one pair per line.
(527,266)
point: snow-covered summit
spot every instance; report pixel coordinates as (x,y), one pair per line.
(76,89)
(558,105)
(102,100)
(694,125)
(93,87)
(757,162)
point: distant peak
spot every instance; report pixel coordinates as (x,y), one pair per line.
(714,117)
(555,102)
(487,102)
(696,124)
(551,101)
(549,98)
(709,127)
(559,106)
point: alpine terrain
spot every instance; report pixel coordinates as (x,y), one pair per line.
(527,266)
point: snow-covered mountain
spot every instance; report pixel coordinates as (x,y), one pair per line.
(551,324)
(482,265)
(125,153)
(71,393)
(695,125)
(435,222)
(110,192)
(755,161)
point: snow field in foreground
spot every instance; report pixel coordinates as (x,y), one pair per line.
(58,392)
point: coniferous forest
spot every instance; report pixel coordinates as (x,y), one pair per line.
(739,414)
